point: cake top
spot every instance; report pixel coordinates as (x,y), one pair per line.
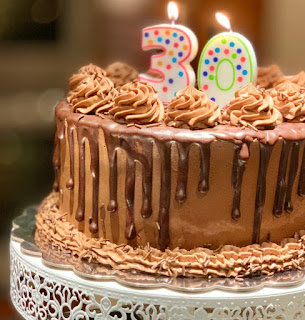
(289,99)
(121,73)
(91,92)
(111,93)
(137,102)
(192,109)
(268,76)
(252,107)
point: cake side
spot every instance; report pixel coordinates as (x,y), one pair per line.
(176,187)
(227,261)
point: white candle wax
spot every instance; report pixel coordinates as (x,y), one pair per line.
(227,63)
(179,47)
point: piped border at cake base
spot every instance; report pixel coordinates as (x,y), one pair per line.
(228,261)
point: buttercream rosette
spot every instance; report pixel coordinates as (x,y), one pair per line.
(192,109)
(268,76)
(83,73)
(93,95)
(253,107)
(289,99)
(121,73)
(299,79)
(137,102)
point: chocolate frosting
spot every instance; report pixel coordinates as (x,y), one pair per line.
(252,107)
(93,95)
(121,73)
(289,99)
(137,102)
(266,77)
(299,79)
(83,72)
(192,109)
(137,143)
(228,261)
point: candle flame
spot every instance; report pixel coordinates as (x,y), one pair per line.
(223,20)
(172,10)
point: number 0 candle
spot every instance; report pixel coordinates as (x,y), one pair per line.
(179,47)
(227,63)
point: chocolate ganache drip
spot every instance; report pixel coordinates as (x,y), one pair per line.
(93,95)
(265,154)
(138,147)
(121,73)
(289,99)
(252,107)
(137,102)
(241,155)
(268,76)
(192,109)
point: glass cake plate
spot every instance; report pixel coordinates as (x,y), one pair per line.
(24,230)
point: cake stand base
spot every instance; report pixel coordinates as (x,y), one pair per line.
(41,292)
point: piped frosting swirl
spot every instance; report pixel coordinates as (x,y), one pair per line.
(192,109)
(121,73)
(268,76)
(137,102)
(289,99)
(84,72)
(93,95)
(252,107)
(299,79)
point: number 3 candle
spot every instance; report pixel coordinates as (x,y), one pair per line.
(227,63)
(179,47)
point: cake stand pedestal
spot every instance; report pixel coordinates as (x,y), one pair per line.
(41,292)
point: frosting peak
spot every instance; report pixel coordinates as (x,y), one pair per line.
(192,109)
(93,95)
(252,107)
(268,76)
(84,72)
(121,73)
(299,79)
(289,99)
(137,102)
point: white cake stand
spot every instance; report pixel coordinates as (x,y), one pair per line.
(41,292)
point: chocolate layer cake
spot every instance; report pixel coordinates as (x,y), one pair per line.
(185,189)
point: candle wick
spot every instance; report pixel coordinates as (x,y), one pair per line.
(173,21)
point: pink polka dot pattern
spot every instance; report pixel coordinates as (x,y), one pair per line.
(173,64)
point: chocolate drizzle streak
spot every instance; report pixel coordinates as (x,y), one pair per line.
(205,154)
(139,148)
(60,133)
(237,178)
(147,170)
(130,231)
(281,180)
(301,186)
(265,154)
(80,211)
(183,149)
(165,191)
(70,182)
(294,161)
(284,191)
(92,136)
(112,143)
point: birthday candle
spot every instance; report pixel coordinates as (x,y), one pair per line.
(179,47)
(227,63)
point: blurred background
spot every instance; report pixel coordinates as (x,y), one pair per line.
(42,42)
